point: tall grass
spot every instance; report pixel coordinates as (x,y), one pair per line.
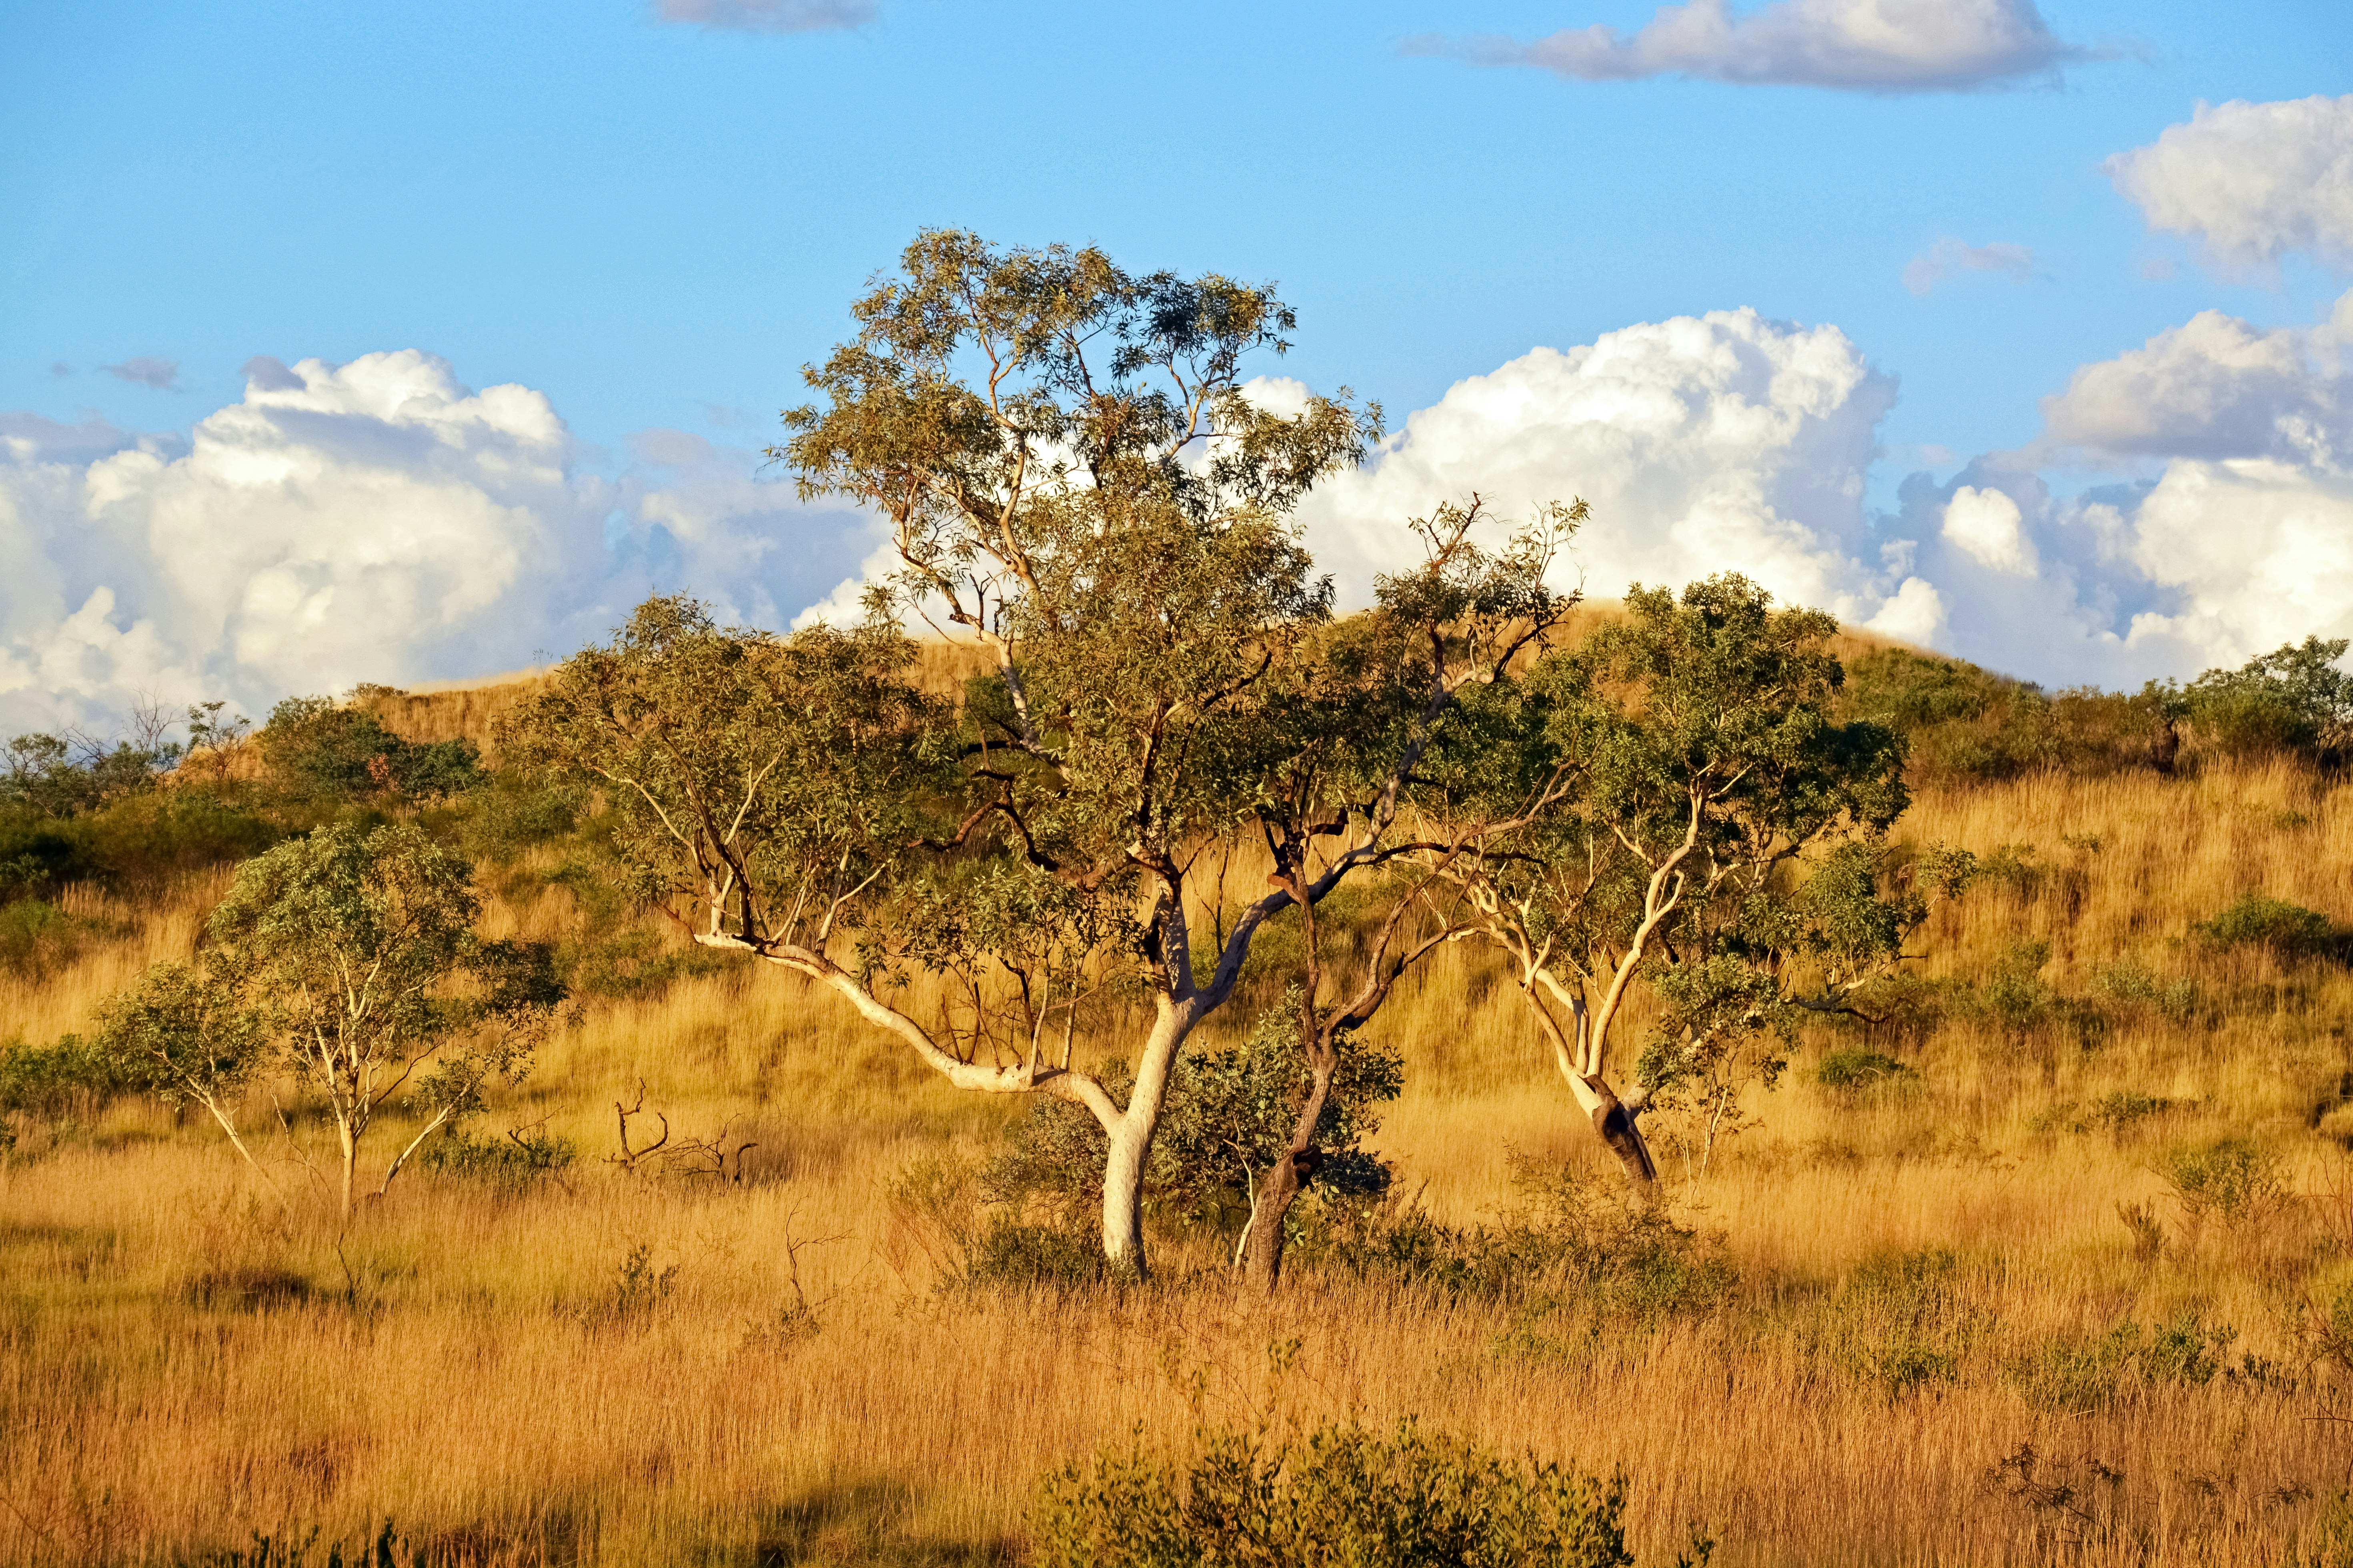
(594,1366)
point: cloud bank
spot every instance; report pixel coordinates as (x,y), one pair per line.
(2250,182)
(374,521)
(1729,442)
(1867,46)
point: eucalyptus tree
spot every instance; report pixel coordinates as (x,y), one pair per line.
(357,947)
(1079,481)
(1691,822)
(189,1033)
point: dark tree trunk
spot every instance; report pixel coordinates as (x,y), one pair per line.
(1616,1125)
(1277,1191)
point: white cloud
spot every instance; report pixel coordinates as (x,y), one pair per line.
(2216,387)
(766,15)
(1873,46)
(2250,182)
(1948,256)
(1722,443)
(1988,526)
(373,520)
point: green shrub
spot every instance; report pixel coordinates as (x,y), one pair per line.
(2133,984)
(1346,1497)
(2235,1179)
(1848,1071)
(2074,1375)
(2258,920)
(1901,1321)
(35,938)
(1568,1243)
(315,747)
(523,1158)
(2293,699)
(1229,1116)
(53,1079)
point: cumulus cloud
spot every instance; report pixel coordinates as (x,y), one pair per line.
(1949,256)
(373,520)
(1719,443)
(2250,182)
(1987,525)
(2216,387)
(766,15)
(147,370)
(1871,46)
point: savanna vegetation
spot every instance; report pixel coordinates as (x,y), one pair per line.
(1164,1072)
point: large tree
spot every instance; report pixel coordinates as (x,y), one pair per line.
(1080,485)
(1689,820)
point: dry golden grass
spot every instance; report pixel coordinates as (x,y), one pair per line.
(188,1355)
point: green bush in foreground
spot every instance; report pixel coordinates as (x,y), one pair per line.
(1344,1494)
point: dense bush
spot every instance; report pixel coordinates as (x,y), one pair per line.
(1343,1496)
(314,746)
(1570,1244)
(1968,722)
(2293,698)
(1848,1071)
(1230,1115)
(2258,920)
(523,1158)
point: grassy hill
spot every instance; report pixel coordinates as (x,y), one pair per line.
(2054,1260)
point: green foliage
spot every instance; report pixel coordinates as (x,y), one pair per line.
(2077,1374)
(56,776)
(1903,1321)
(1568,1244)
(2130,983)
(1962,721)
(519,810)
(1343,1497)
(185,1034)
(523,1158)
(1229,1116)
(141,839)
(443,1011)
(638,1294)
(2293,698)
(2258,920)
(2236,1179)
(35,938)
(316,747)
(1852,1069)
(72,1071)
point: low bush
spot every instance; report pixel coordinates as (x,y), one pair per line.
(1849,1072)
(2235,1180)
(315,747)
(2074,1374)
(1570,1243)
(2258,920)
(523,1158)
(1343,1497)
(1901,1321)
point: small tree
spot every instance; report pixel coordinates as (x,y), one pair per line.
(187,1032)
(1699,827)
(358,947)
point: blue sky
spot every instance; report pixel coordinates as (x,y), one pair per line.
(654,223)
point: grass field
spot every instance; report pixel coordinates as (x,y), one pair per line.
(1931,1273)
